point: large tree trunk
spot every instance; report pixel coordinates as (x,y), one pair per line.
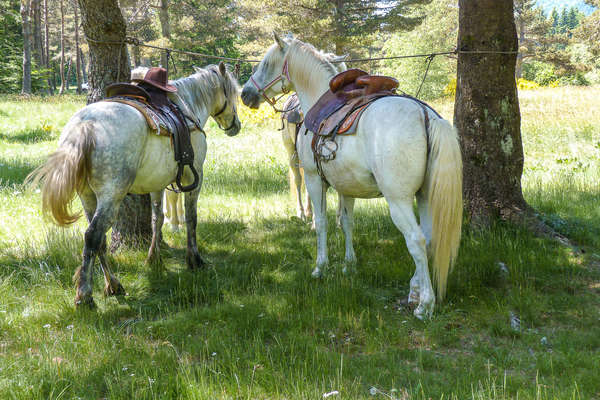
(62,49)
(104,26)
(77,51)
(26,84)
(165,26)
(487,112)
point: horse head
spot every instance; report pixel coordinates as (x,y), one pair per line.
(268,78)
(224,105)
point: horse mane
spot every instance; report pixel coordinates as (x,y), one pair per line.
(308,61)
(201,87)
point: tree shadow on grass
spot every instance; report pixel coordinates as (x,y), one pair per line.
(13,171)
(27,136)
(259,297)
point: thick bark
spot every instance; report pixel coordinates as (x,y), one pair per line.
(25,10)
(77,50)
(165,26)
(133,225)
(62,48)
(487,112)
(104,26)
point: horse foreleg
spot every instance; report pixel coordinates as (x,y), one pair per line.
(172,207)
(346,209)
(318,191)
(296,179)
(157,223)
(288,136)
(193,259)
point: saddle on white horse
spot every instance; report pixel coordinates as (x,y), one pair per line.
(163,117)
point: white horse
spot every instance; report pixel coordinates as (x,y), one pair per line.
(288,136)
(106,150)
(393,154)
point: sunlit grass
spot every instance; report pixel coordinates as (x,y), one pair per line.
(256,326)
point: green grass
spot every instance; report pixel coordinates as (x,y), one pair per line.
(256,326)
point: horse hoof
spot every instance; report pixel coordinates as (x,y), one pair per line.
(316,273)
(114,289)
(86,302)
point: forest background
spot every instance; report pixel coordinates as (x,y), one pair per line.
(559,41)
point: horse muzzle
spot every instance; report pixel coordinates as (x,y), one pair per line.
(235,129)
(250,96)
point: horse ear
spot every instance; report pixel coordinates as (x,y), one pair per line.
(282,45)
(222,68)
(339,58)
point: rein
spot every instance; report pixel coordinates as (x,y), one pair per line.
(272,101)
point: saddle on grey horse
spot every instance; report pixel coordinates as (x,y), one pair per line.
(164,117)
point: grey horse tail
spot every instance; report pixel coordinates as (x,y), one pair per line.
(65,172)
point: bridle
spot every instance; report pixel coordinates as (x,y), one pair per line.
(272,101)
(223,110)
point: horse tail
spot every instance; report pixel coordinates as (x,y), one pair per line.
(443,184)
(65,171)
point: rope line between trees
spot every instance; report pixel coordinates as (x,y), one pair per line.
(136,42)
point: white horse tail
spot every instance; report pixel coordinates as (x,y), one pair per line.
(443,183)
(64,172)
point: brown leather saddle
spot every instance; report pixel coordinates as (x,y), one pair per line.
(348,95)
(338,110)
(164,117)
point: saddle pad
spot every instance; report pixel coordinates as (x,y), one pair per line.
(348,127)
(154,122)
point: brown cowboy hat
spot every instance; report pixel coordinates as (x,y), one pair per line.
(157,77)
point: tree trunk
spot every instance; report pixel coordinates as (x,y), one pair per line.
(38,52)
(519,67)
(340,34)
(77,51)
(487,112)
(137,58)
(83,66)
(47,49)
(104,26)
(26,84)
(165,26)
(68,73)
(62,49)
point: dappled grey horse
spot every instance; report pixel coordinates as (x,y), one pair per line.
(107,150)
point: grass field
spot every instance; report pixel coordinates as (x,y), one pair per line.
(256,326)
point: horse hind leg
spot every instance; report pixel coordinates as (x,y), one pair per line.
(171,207)
(404,218)
(426,227)
(100,217)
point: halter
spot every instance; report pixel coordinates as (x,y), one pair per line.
(223,110)
(272,101)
